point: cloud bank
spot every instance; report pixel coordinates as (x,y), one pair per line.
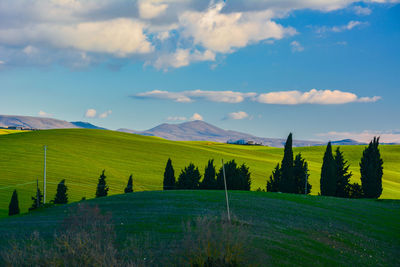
(162,33)
(314,96)
(364,136)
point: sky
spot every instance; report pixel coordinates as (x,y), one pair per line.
(324,70)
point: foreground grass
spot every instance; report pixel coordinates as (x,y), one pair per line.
(286,230)
(79,156)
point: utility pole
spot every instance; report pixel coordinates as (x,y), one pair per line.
(37,194)
(226,191)
(44,175)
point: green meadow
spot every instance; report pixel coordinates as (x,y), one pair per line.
(281,229)
(79,156)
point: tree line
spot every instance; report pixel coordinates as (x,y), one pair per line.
(292,175)
(237,177)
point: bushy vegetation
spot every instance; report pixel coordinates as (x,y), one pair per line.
(102,187)
(61,195)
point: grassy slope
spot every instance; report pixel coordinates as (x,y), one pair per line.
(79,155)
(289,230)
(6,131)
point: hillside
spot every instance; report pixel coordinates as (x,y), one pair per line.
(203,131)
(34,122)
(79,155)
(282,229)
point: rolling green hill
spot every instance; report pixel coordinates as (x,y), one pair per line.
(283,229)
(79,156)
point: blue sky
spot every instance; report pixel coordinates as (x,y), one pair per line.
(320,69)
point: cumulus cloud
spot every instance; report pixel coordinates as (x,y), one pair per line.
(105,114)
(190,96)
(90,113)
(314,96)
(44,114)
(2,62)
(296,47)
(163,33)
(364,136)
(196,117)
(240,115)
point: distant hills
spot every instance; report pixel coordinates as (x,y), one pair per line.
(187,131)
(42,123)
(202,131)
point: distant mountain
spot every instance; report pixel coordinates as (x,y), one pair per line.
(86,125)
(34,122)
(347,142)
(202,131)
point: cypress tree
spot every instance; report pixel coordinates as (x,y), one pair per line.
(328,173)
(13,208)
(129,186)
(287,182)
(245,177)
(209,181)
(169,177)
(274,180)
(189,178)
(342,175)
(232,174)
(300,170)
(102,187)
(371,169)
(61,196)
(37,201)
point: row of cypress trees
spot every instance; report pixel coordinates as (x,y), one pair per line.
(237,177)
(335,175)
(61,196)
(292,175)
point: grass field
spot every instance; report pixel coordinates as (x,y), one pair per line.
(79,156)
(6,131)
(284,229)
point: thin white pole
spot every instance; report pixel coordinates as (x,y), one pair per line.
(44,175)
(226,192)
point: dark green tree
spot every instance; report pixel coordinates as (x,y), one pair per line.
(287,182)
(209,180)
(355,190)
(189,178)
(371,169)
(13,208)
(37,201)
(328,173)
(61,196)
(300,171)
(129,186)
(245,177)
(102,187)
(342,175)
(274,180)
(169,182)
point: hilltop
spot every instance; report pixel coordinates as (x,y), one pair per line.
(79,156)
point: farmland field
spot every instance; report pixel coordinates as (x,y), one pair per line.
(79,156)
(283,229)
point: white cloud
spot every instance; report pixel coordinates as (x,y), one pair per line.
(44,114)
(196,117)
(314,96)
(190,96)
(347,27)
(296,47)
(223,32)
(362,11)
(90,113)
(30,50)
(149,9)
(364,136)
(176,118)
(2,62)
(182,58)
(322,97)
(105,114)
(240,115)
